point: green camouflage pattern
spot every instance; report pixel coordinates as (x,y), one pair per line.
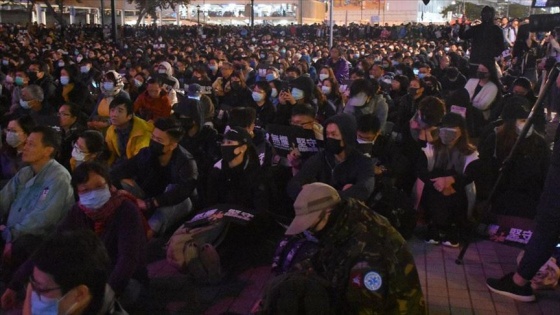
(368,264)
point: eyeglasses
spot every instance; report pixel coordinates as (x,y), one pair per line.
(40,291)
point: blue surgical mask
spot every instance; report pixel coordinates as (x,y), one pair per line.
(421,76)
(24,104)
(213,68)
(270,77)
(64,80)
(257,97)
(274,92)
(47,306)
(43,305)
(95,199)
(84,69)
(297,94)
(108,86)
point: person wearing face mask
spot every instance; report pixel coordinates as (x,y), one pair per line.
(90,76)
(76,264)
(484,90)
(35,199)
(237,178)
(356,265)
(263,106)
(213,69)
(111,88)
(364,99)
(340,164)
(325,73)
(162,176)
(39,74)
(298,91)
(451,81)
(71,122)
(201,140)
(170,83)
(154,103)
(522,183)
(89,146)
(32,103)
(71,89)
(236,92)
(445,188)
(114,218)
(16,133)
(21,80)
(329,100)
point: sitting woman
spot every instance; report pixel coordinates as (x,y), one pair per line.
(116,220)
(445,170)
(521,186)
(72,89)
(72,123)
(111,88)
(329,100)
(10,153)
(90,146)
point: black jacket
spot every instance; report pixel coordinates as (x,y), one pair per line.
(170,184)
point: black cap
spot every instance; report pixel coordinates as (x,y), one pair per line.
(238,134)
(194,90)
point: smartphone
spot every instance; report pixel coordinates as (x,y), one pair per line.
(415,71)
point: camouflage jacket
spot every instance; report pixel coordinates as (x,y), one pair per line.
(367,263)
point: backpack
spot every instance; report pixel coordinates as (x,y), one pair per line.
(192,251)
(397,206)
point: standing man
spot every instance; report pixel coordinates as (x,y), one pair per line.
(365,260)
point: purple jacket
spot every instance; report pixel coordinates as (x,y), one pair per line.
(340,68)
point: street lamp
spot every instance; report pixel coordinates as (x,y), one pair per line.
(198,13)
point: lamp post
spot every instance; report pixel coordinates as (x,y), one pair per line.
(198,14)
(331,9)
(252,13)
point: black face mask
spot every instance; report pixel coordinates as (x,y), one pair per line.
(227,152)
(412,91)
(187,123)
(32,76)
(156,148)
(235,85)
(482,75)
(333,146)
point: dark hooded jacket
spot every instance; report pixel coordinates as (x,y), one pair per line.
(487,38)
(356,169)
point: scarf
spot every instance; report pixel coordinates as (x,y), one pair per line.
(103,215)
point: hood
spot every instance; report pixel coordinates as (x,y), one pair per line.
(348,129)
(168,68)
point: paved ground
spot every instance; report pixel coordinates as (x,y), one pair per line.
(449,288)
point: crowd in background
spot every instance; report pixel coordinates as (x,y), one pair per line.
(130,139)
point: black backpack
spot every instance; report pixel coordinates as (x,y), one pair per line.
(397,206)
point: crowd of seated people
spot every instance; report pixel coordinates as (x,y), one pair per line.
(130,140)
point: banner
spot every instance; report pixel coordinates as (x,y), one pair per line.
(286,138)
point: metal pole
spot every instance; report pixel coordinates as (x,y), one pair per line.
(252,13)
(102,12)
(113,22)
(331,9)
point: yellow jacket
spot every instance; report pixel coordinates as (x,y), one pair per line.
(139,138)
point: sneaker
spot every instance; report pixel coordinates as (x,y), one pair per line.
(450,243)
(432,237)
(505,286)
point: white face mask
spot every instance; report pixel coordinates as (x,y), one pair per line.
(162,71)
(326,90)
(297,94)
(323,76)
(95,199)
(84,69)
(78,155)
(24,104)
(13,139)
(274,93)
